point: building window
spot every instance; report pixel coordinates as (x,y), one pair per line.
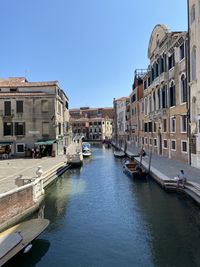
(45,106)
(159,102)
(172,95)
(19,128)
(164,97)
(7,128)
(149,81)
(66,105)
(193,63)
(184,146)
(145,84)
(150,127)
(183,89)
(154,127)
(173,145)
(154,100)
(150,141)
(182,51)
(20,148)
(165,143)
(171,61)
(183,123)
(192,14)
(60,129)
(155,141)
(157,69)
(164,125)
(19,106)
(161,65)
(146,141)
(13,89)
(173,124)
(133,98)
(45,128)
(7,108)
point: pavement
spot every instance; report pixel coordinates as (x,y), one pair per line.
(10,169)
(169,167)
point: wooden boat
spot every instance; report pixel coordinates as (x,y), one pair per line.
(19,237)
(119,154)
(134,170)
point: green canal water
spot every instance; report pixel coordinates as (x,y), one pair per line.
(99,217)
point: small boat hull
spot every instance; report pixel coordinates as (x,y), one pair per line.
(86,154)
(18,237)
(134,170)
(119,154)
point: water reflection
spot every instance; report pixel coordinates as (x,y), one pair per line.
(101,217)
(39,249)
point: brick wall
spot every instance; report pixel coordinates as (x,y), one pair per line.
(15,204)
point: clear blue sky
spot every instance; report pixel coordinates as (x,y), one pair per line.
(92,47)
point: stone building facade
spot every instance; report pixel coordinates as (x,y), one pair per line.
(194,79)
(94,124)
(33,114)
(137,109)
(121,121)
(165,94)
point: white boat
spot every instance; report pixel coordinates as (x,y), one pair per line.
(119,154)
(19,237)
(86,150)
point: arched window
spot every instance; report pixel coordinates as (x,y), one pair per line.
(192,14)
(154,100)
(193,63)
(158,95)
(183,88)
(172,94)
(164,96)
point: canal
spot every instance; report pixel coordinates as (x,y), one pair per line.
(101,217)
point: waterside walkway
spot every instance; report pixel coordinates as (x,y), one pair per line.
(164,170)
(22,187)
(11,169)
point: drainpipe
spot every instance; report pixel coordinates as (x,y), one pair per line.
(188,103)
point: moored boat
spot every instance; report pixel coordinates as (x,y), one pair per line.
(19,237)
(134,170)
(86,150)
(119,154)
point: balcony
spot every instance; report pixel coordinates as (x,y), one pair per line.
(158,113)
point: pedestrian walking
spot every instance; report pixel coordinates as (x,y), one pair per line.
(33,152)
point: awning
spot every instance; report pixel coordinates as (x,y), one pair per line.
(47,142)
(6,143)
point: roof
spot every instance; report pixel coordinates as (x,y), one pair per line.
(23,82)
(124,98)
